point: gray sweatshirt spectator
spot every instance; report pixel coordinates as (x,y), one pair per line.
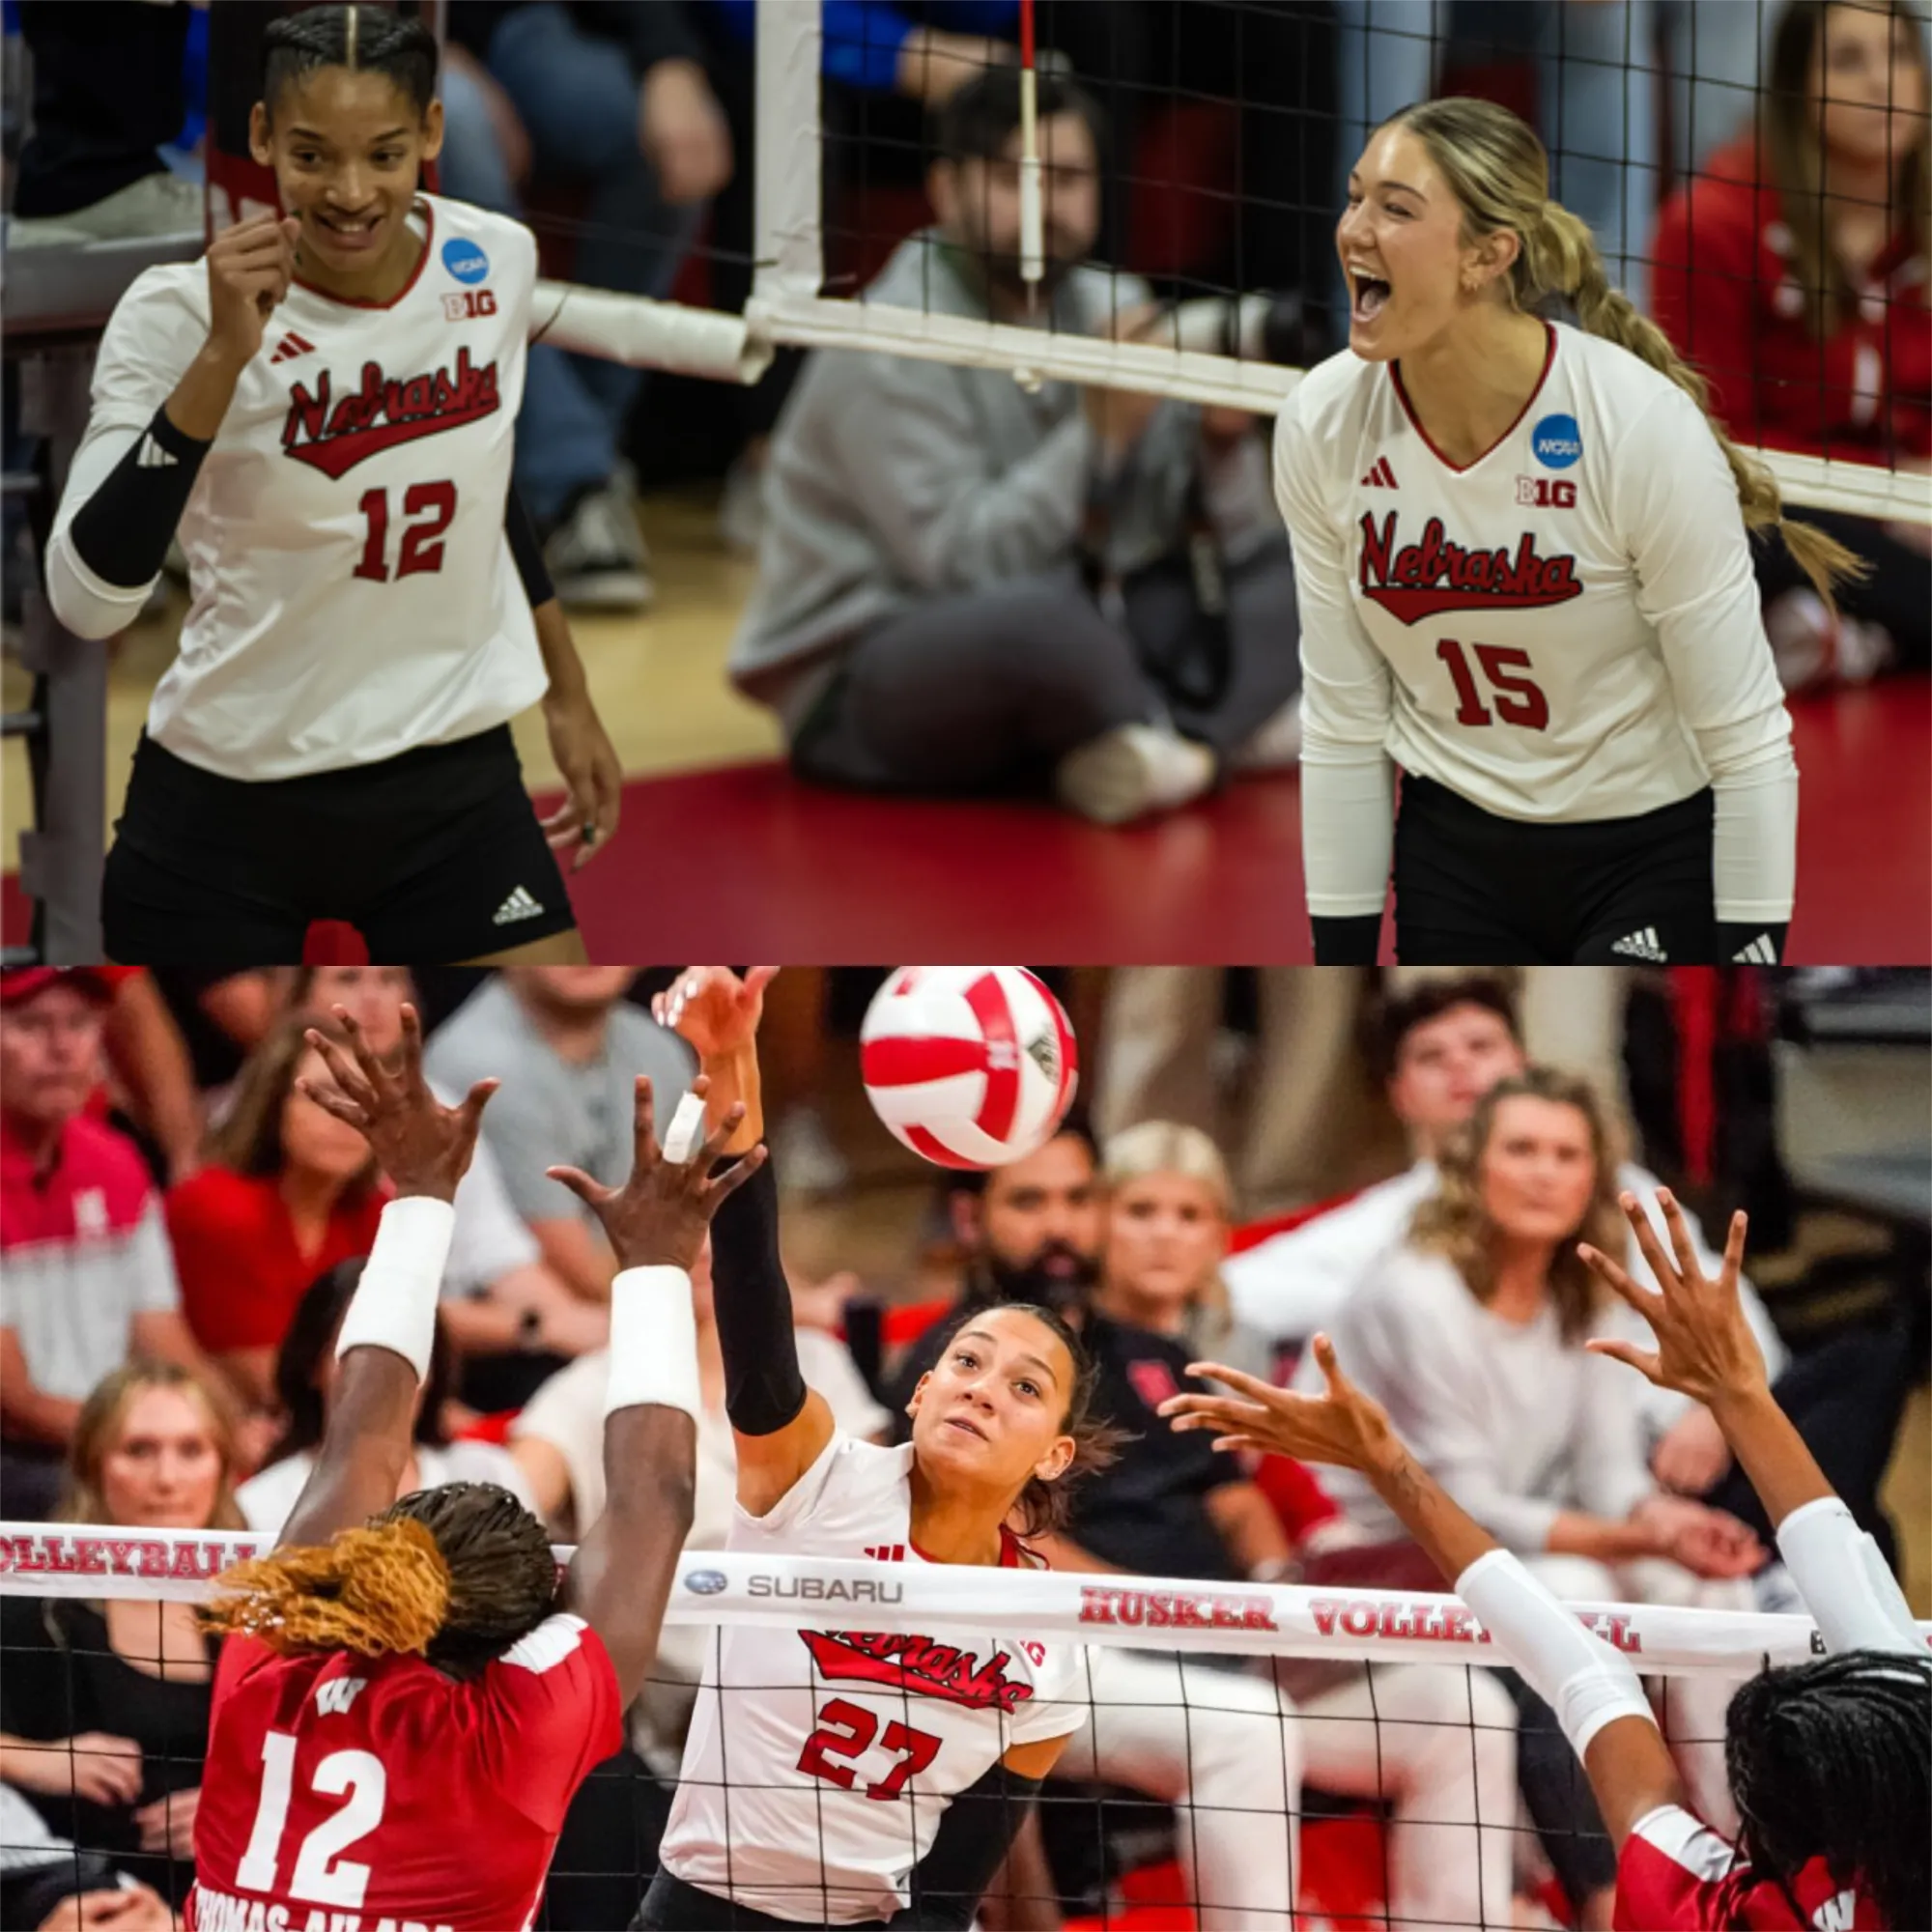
(964,587)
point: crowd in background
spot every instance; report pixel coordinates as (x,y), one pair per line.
(183,1228)
(1759,176)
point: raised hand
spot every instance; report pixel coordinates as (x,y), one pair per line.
(1342,1425)
(249,266)
(713,1008)
(660,1215)
(1704,1345)
(422,1146)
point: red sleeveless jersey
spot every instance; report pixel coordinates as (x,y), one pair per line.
(352,1794)
(1675,1874)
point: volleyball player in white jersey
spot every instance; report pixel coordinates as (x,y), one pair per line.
(1525,580)
(857,1772)
(324,407)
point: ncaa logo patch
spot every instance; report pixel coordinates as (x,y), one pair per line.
(467,263)
(1556,442)
(705,1583)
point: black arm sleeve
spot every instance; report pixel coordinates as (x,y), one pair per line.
(974,1835)
(1347,942)
(122,533)
(527,552)
(763,1388)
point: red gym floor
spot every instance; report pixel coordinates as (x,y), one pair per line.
(744,863)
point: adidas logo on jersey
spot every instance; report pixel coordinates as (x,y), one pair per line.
(1644,945)
(1759,952)
(886,1552)
(519,905)
(154,457)
(1381,476)
(291,346)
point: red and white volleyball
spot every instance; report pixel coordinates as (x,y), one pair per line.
(969,1065)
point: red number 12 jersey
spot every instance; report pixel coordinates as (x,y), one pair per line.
(352,1794)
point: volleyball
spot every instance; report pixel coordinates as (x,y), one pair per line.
(969,1065)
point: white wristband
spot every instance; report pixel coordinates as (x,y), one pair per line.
(1580,1678)
(653,1341)
(1842,1576)
(394,1303)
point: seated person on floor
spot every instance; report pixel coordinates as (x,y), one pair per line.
(965,588)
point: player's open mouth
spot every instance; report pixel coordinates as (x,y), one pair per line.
(970,1427)
(1371,296)
(346,233)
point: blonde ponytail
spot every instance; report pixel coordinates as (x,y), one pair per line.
(371,1591)
(1500,174)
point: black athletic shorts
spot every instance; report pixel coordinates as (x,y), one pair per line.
(676,1907)
(435,856)
(1476,890)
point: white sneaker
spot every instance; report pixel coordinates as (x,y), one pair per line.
(596,556)
(1131,771)
(158,204)
(1814,650)
(1276,747)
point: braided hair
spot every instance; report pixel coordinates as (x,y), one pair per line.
(1833,1760)
(366,40)
(455,1575)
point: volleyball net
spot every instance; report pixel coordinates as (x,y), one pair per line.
(1355,1748)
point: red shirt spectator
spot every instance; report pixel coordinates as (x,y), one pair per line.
(244,1266)
(289,1192)
(1725,292)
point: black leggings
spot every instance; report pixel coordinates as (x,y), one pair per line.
(672,1906)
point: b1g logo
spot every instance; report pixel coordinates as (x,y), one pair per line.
(1557,441)
(465,260)
(1546,493)
(460,304)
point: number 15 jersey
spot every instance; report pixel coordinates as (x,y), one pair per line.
(1566,628)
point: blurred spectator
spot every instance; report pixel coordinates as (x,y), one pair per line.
(288,1191)
(88,1279)
(155,1080)
(48,1884)
(619,1816)
(109,95)
(1794,276)
(221,1016)
(1169,1209)
(1717,58)
(116,1695)
(1444,1044)
(612,93)
(305,1380)
(568,1048)
(512,1319)
(963,587)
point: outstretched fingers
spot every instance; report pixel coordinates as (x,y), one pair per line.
(1688,1267)
(1648,1246)
(721,1190)
(471,1109)
(1644,1361)
(1234,1379)
(1734,1247)
(644,1153)
(1614,1277)
(591,1193)
(343,1069)
(712,1150)
(331,1101)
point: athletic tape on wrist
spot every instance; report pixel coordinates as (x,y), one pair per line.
(653,1341)
(1580,1678)
(1841,1573)
(394,1303)
(686,1131)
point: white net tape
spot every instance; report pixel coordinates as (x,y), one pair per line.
(1170,1613)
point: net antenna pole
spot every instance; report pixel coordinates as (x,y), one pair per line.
(1032,214)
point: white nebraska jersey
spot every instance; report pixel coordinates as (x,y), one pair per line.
(820,1760)
(353,595)
(1567,629)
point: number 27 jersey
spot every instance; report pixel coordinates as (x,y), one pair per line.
(349,1794)
(1566,628)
